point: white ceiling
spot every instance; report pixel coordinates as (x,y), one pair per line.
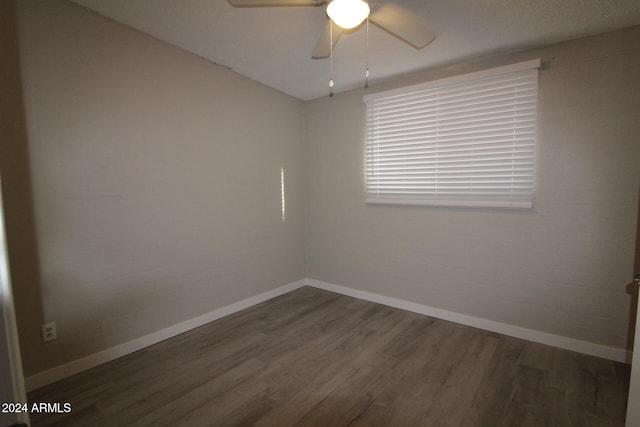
(273,44)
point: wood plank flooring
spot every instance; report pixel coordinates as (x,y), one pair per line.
(315,358)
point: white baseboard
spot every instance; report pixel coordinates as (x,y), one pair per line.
(592,349)
(59,372)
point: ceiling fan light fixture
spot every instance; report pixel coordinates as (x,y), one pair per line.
(348,14)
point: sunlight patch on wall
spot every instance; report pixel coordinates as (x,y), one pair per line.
(282,202)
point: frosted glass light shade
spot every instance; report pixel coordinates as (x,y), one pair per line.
(348,14)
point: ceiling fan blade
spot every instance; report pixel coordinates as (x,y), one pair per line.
(274,3)
(402,24)
(322,49)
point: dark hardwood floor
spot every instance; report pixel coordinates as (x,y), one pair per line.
(315,358)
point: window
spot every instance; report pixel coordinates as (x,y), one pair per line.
(463,141)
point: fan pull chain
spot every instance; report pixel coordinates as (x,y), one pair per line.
(331,58)
(366,56)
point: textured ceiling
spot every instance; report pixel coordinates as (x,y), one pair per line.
(273,45)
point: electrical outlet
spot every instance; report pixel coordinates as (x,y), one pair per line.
(49,332)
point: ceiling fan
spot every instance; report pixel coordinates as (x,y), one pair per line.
(348,15)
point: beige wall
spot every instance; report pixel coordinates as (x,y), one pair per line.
(155,180)
(561,268)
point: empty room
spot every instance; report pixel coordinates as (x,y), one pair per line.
(310,212)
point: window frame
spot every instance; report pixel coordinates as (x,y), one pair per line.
(431,200)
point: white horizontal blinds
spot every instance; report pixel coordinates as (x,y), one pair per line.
(470,143)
